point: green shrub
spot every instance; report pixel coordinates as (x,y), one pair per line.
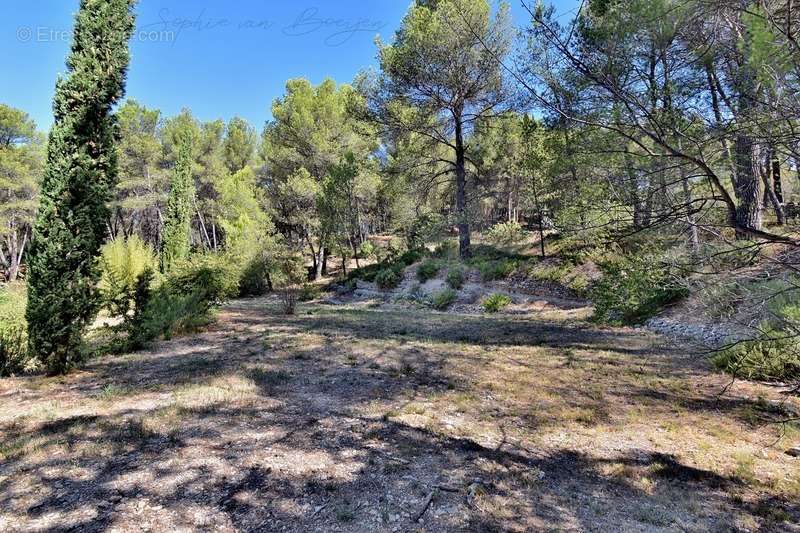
(455,278)
(495,303)
(14,355)
(634,289)
(290,272)
(367,250)
(443,299)
(309,292)
(428,269)
(496,269)
(13,349)
(183,301)
(505,234)
(388,278)
(254,279)
(209,277)
(446,249)
(122,261)
(424,229)
(774,357)
(166,314)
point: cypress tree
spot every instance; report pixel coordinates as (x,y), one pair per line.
(178,217)
(80,172)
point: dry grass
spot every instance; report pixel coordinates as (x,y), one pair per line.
(345,418)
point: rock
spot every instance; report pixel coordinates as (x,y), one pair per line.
(364,286)
(794,452)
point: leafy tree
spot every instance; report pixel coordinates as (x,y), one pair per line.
(21,157)
(178,218)
(312,130)
(246,224)
(346,192)
(440,75)
(239,145)
(142,186)
(79,176)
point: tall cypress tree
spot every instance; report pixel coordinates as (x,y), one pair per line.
(81,169)
(178,218)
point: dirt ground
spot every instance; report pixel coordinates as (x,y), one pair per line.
(366,417)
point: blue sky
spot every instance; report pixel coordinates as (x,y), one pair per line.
(218,58)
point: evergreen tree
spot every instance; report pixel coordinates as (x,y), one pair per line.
(178,219)
(440,76)
(80,172)
(21,158)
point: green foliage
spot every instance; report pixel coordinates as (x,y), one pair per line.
(14,355)
(239,145)
(254,279)
(183,301)
(178,216)
(21,153)
(773,357)
(443,299)
(80,173)
(495,303)
(441,74)
(634,289)
(388,278)
(209,277)
(428,269)
(309,292)
(447,249)
(289,273)
(426,228)
(367,250)
(166,314)
(455,278)
(505,234)
(122,262)
(492,270)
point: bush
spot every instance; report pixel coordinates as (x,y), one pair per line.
(290,272)
(255,277)
(447,249)
(122,261)
(182,302)
(388,278)
(443,299)
(309,292)
(14,355)
(209,277)
(428,269)
(497,269)
(774,357)
(13,349)
(367,250)
(495,303)
(505,234)
(455,278)
(424,229)
(634,289)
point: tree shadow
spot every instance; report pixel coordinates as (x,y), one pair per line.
(304,451)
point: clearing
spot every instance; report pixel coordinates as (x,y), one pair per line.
(374,417)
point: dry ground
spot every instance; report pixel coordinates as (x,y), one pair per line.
(353,418)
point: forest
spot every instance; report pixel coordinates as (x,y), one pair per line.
(521,275)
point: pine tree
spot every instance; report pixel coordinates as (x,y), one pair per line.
(81,169)
(177,222)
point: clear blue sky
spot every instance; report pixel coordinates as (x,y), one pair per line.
(219,58)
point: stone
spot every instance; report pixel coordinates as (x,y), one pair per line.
(793,452)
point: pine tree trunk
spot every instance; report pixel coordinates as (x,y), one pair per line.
(748,185)
(461,189)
